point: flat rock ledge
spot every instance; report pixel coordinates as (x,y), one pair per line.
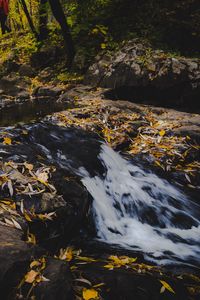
(139,73)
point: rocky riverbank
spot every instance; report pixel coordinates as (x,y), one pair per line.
(44,207)
(139,73)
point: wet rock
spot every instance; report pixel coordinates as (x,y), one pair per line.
(189,130)
(47,57)
(123,284)
(59,285)
(15,255)
(13,85)
(65,98)
(26,70)
(51,202)
(49,91)
(23,95)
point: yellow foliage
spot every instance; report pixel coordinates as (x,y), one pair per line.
(89,294)
(30,277)
(166,286)
(7,141)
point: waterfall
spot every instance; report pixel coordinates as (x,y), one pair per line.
(135,209)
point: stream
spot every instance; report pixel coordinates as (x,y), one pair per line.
(132,208)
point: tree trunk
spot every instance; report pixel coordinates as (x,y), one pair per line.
(43,19)
(29,19)
(59,15)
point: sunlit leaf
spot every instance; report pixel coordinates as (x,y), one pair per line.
(28,166)
(34,263)
(31,238)
(162,132)
(30,277)
(7,141)
(27,217)
(166,286)
(103,46)
(89,294)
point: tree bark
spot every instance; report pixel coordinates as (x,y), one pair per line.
(43,19)
(59,15)
(29,19)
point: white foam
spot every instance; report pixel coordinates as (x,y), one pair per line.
(127,199)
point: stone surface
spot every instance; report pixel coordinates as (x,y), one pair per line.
(26,70)
(139,73)
(12,85)
(15,255)
(59,285)
(49,91)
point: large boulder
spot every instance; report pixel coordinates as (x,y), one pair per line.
(59,284)
(138,72)
(15,255)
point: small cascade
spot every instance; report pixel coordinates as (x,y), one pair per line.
(138,210)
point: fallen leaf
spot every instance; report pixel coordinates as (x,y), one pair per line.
(31,238)
(166,286)
(162,132)
(30,277)
(83,280)
(16,224)
(34,263)
(28,166)
(89,294)
(98,285)
(10,187)
(7,141)
(27,217)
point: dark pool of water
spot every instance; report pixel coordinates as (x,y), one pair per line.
(30,110)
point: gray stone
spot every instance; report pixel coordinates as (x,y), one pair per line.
(26,70)
(133,61)
(59,285)
(49,91)
(51,202)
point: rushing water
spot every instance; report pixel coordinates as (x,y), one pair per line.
(136,209)
(132,207)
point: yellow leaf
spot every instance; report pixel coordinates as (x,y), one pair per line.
(34,263)
(103,46)
(66,254)
(28,166)
(98,285)
(158,163)
(86,259)
(69,254)
(31,238)
(7,141)
(89,294)
(31,276)
(95,31)
(166,286)
(27,217)
(109,266)
(162,132)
